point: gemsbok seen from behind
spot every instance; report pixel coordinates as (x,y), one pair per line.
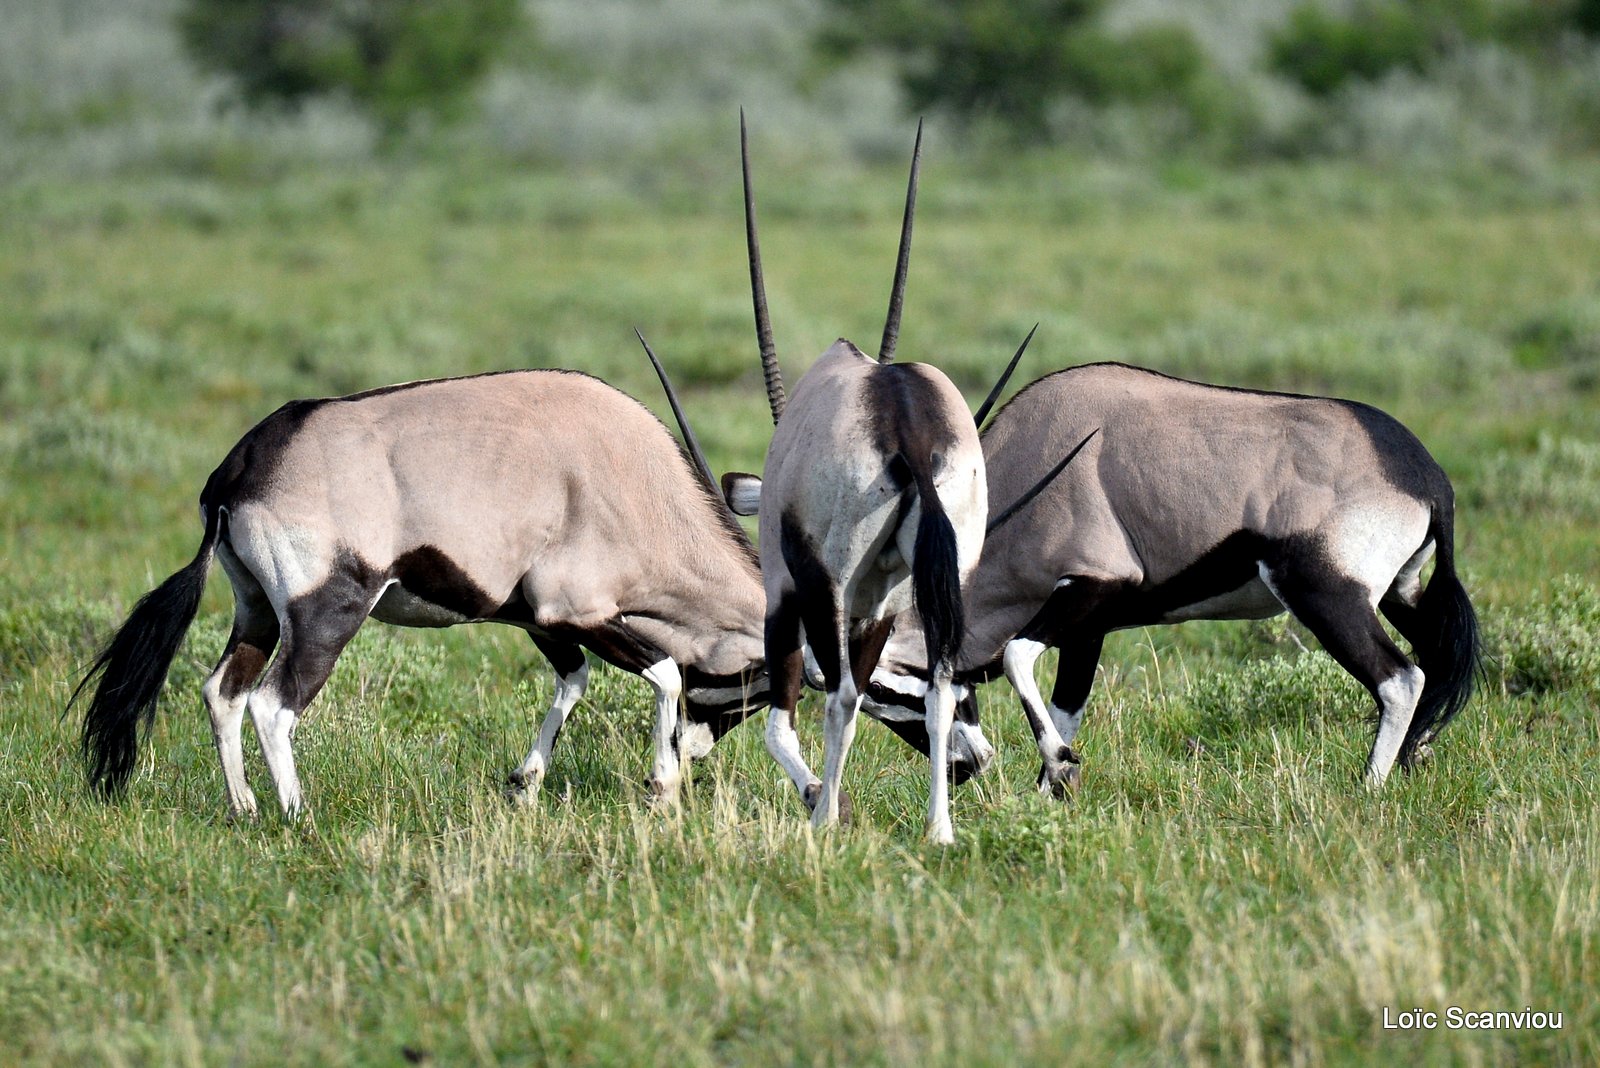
(872,500)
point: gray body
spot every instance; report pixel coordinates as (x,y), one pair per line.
(546,500)
(863,450)
(1201,502)
(873,497)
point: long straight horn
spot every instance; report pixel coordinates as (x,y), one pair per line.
(1038,487)
(994,394)
(689,439)
(897,295)
(758,287)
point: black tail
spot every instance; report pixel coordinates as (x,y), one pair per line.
(133,667)
(936,575)
(1445,641)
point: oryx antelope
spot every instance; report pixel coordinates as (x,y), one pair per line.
(1206,502)
(543,499)
(872,498)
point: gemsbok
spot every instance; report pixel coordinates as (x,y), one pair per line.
(543,499)
(872,499)
(1208,502)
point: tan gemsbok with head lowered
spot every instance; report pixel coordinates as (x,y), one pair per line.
(872,499)
(543,499)
(1206,502)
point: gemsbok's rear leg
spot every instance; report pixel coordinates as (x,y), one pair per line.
(786,673)
(314,630)
(226,691)
(572,679)
(827,631)
(1339,612)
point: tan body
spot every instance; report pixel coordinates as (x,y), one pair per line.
(542,499)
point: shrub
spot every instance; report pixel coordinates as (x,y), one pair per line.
(1552,646)
(1562,476)
(1296,691)
(1013,61)
(396,58)
(1321,51)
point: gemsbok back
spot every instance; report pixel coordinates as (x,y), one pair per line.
(543,499)
(1207,502)
(872,499)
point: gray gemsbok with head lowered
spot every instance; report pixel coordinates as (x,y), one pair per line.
(1207,502)
(872,498)
(543,499)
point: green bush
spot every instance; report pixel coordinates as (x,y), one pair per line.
(396,58)
(1302,691)
(1552,646)
(1560,477)
(1321,51)
(1013,60)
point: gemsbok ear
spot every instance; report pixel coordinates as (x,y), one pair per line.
(743,492)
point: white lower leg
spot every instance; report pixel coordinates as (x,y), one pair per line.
(784,745)
(1397,698)
(568,690)
(274,725)
(668,682)
(1020,656)
(941,707)
(227,720)
(838,732)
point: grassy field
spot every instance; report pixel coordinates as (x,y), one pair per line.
(1221,890)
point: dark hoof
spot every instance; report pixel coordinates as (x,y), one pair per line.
(813,793)
(1417,757)
(1060,782)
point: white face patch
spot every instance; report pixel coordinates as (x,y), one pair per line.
(718,695)
(694,740)
(967,742)
(908,685)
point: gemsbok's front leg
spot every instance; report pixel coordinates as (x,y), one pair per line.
(572,680)
(1059,773)
(666,773)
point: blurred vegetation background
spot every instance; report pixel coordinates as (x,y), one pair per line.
(232,86)
(209,207)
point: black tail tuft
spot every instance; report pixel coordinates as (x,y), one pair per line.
(1447,645)
(132,668)
(936,579)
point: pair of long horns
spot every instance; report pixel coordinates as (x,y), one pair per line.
(776,399)
(704,467)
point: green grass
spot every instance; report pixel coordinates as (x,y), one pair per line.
(1220,891)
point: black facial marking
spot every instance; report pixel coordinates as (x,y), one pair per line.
(723,715)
